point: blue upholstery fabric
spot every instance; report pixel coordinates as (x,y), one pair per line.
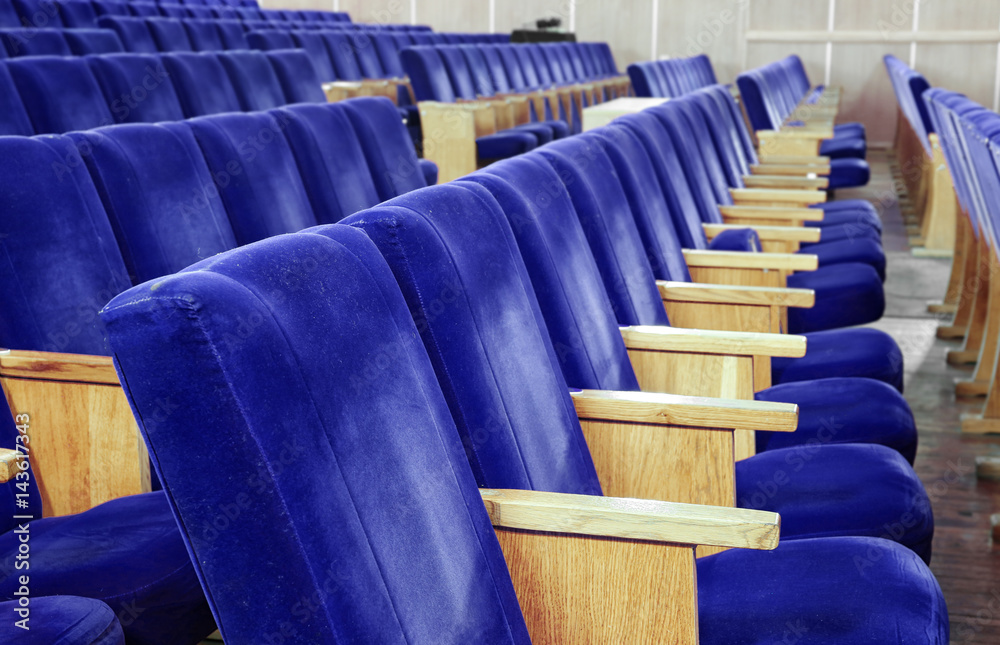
(846,295)
(868,353)
(35,42)
(848,173)
(340,53)
(232,34)
(202,84)
(134,34)
(323,308)
(62,619)
(80,106)
(77,15)
(430,171)
(13,117)
(843,410)
(136,87)
(843,148)
(204,35)
(141,570)
(834,253)
(297,75)
(391,157)
(330,160)
(253,78)
(166,215)
(839,489)
(874,591)
(169,35)
(62,264)
(505,144)
(256,173)
(93,41)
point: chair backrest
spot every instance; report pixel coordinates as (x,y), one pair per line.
(256,174)
(133,32)
(341,52)
(35,42)
(74,14)
(458,71)
(331,161)
(428,74)
(62,263)
(312,43)
(386,442)
(13,115)
(202,84)
(232,34)
(392,159)
(204,35)
(388,54)
(254,80)
(93,41)
(159,196)
(169,35)
(136,87)
(297,75)
(486,337)
(60,94)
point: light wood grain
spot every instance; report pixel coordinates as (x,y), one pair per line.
(738,260)
(730,294)
(449,138)
(581,589)
(9,460)
(941,205)
(768,233)
(796,161)
(85,446)
(777,197)
(780,181)
(53,366)
(633,519)
(790,169)
(704,341)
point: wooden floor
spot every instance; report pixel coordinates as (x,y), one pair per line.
(964,561)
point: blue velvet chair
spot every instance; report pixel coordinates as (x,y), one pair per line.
(352,447)
(254,80)
(133,32)
(204,35)
(202,84)
(40,78)
(297,75)
(74,15)
(93,41)
(35,42)
(600,362)
(312,43)
(137,88)
(169,35)
(232,34)
(13,115)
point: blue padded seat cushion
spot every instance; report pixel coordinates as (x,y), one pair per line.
(839,490)
(62,619)
(852,129)
(889,596)
(846,295)
(542,132)
(848,173)
(127,553)
(843,410)
(560,129)
(843,147)
(743,239)
(863,249)
(503,145)
(430,171)
(867,353)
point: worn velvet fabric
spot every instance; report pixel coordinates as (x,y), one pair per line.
(62,620)
(134,34)
(256,173)
(137,87)
(458,266)
(846,295)
(843,410)
(61,264)
(169,35)
(331,161)
(232,34)
(13,116)
(202,84)
(40,79)
(316,49)
(127,553)
(326,416)
(166,214)
(297,76)
(868,353)
(391,158)
(253,78)
(34,42)
(872,591)
(93,41)
(203,35)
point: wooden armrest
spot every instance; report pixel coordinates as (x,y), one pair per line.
(790,169)
(785,182)
(769,233)
(52,366)
(735,294)
(654,408)
(785,213)
(796,160)
(804,132)
(632,519)
(710,341)
(739,260)
(9,460)
(768,195)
